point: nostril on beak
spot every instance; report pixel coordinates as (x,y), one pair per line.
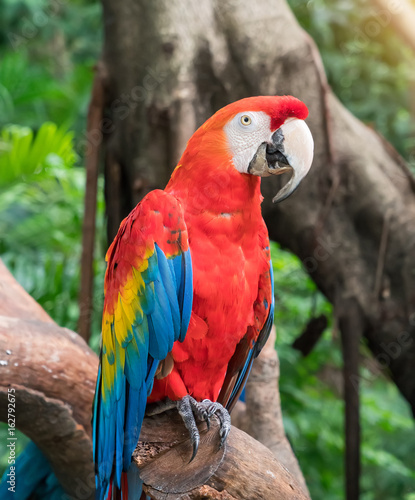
(271,149)
(275,156)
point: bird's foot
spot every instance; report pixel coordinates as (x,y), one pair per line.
(189,408)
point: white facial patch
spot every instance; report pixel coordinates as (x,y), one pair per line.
(245,133)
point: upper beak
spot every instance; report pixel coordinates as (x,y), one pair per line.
(290,149)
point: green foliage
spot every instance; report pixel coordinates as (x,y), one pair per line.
(367,64)
(311,398)
(47,52)
(41,220)
(22,154)
(34,96)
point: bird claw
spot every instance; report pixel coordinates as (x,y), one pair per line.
(189,408)
(225,420)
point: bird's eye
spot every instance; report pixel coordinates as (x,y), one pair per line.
(246,120)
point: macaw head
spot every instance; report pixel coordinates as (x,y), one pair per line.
(263,136)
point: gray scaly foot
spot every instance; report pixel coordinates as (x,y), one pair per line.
(189,408)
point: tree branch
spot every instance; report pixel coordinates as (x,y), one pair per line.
(243,469)
(311,335)
(93,142)
(15,302)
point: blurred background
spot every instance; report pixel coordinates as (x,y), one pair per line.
(48,50)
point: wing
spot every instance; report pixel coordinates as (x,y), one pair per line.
(252,343)
(148,302)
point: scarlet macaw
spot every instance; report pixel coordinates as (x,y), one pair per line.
(189,288)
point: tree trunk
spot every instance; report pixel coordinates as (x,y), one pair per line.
(352,222)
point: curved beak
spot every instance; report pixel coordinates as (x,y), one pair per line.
(290,149)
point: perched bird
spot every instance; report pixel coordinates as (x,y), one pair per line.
(189,288)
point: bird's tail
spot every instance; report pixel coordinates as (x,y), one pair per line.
(131,487)
(134,484)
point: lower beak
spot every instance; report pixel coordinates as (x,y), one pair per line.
(290,150)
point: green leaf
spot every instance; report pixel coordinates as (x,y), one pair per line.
(24,155)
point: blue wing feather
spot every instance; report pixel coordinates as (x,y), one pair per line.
(170,285)
(187,295)
(152,365)
(135,414)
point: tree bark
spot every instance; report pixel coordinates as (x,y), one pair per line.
(172,64)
